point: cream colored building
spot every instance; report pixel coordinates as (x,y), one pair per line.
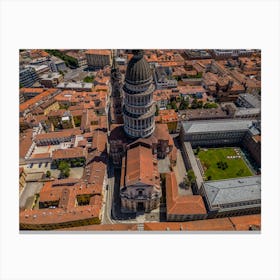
(97,59)
(140,189)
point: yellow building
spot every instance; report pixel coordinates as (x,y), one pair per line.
(22,179)
(54,106)
(170,118)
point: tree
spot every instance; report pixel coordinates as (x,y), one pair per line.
(174,105)
(88,79)
(48,174)
(168,106)
(208,105)
(184,104)
(191,176)
(64,168)
(200,104)
(222,165)
(186,183)
(194,104)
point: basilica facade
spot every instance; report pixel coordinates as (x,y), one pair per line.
(138,143)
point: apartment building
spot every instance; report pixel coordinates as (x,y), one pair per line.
(97,59)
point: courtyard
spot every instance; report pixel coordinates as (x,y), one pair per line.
(222,163)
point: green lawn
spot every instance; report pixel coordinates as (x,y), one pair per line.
(236,166)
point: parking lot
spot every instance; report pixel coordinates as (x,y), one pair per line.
(76,172)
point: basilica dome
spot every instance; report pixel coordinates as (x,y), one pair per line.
(138,70)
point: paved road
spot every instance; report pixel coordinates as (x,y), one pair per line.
(109,197)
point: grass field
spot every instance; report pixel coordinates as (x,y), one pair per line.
(210,157)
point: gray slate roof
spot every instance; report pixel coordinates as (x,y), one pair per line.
(215,125)
(138,70)
(233,190)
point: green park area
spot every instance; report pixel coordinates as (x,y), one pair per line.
(222,163)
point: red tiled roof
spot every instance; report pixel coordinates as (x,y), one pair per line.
(31,90)
(141,166)
(35,99)
(165,226)
(244,222)
(98,52)
(25,142)
(75,152)
(181,205)
(99,140)
(221,224)
(59,134)
(107,227)
(41,155)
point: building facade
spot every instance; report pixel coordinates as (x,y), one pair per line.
(27,77)
(216,132)
(140,189)
(97,59)
(233,197)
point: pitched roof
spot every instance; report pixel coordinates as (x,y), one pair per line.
(35,99)
(181,205)
(244,222)
(58,134)
(98,52)
(210,225)
(75,152)
(141,166)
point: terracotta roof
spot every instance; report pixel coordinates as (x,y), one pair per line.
(75,152)
(173,226)
(168,115)
(111,227)
(67,209)
(59,134)
(141,166)
(98,52)
(96,171)
(41,155)
(245,222)
(65,182)
(161,133)
(25,142)
(57,113)
(35,99)
(58,215)
(223,224)
(257,138)
(31,90)
(21,170)
(181,205)
(99,140)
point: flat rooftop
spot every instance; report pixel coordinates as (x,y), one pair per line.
(216,125)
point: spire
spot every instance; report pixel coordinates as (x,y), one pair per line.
(114,65)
